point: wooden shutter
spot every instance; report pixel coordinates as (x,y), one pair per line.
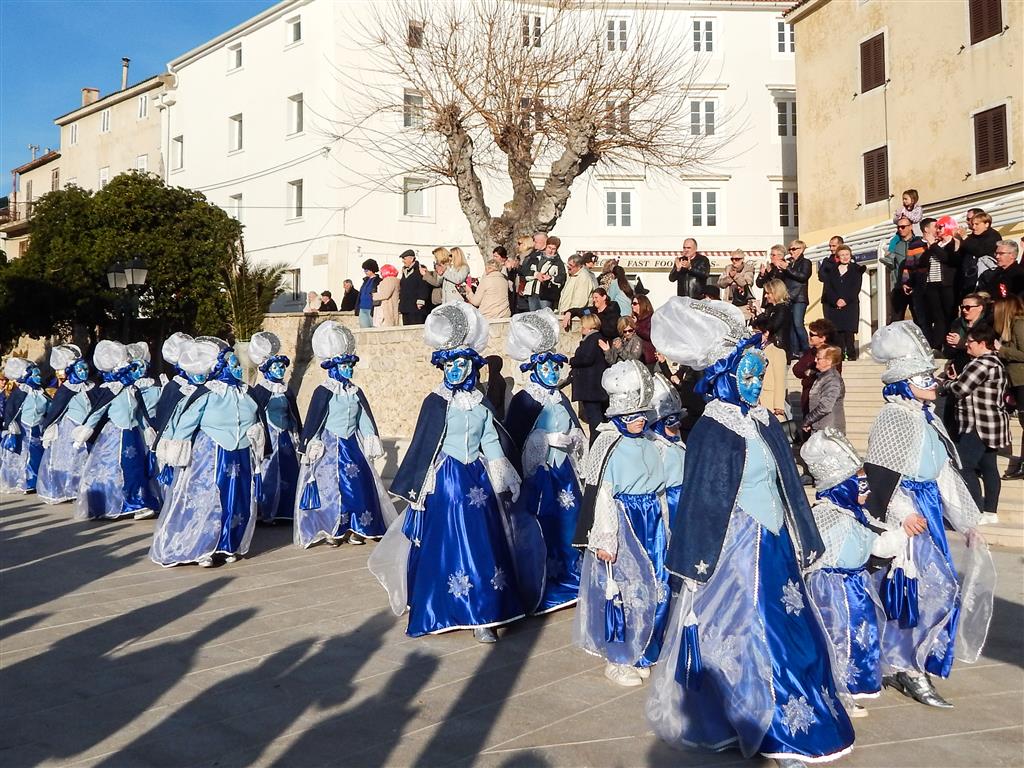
(990,146)
(986,19)
(872,63)
(876,175)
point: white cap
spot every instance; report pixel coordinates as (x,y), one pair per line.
(139,350)
(454,325)
(110,356)
(173,345)
(15,367)
(830,457)
(531,333)
(665,400)
(64,355)
(198,356)
(629,386)
(332,339)
(263,346)
(904,350)
(696,333)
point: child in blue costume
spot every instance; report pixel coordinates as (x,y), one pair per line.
(116,479)
(624,526)
(60,472)
(548,436)
(667,415)
(745,662)
(279,410)
(913,471)
(21,443)
(216,445)
(457,558)
(840,586)
(340,494)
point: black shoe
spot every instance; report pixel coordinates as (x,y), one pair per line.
(917,687)
(806,480)
(1013,474)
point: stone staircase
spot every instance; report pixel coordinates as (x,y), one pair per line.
(864,398)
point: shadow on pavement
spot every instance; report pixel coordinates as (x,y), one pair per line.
(1005,636)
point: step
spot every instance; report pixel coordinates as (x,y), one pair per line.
(1003,536)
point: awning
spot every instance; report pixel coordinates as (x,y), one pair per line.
(651,261)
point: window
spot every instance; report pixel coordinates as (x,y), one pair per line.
(789,217)
(142,163)
(55,179)
(876,175)
(872,63)
(531,31)
(616,35)
(531,114)
(295,199)
(704,208)
(73,133)
(105,121)
(412,109)
(414,199)
(785,37)
(294,283)
(294,30)
(234,57)
(618,208)
(702,118)
(28,191)
(177,153)
(990,145)
(296,114)
(986,18)
(703,35)
(104,176)
(787,118)
(143,107)
(616,117)
(234,133)
(415,39)
(235,206)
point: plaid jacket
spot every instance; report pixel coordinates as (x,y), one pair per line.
(980,393)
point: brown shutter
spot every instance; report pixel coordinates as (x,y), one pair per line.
(990,145)
(872,63)
(876,175)
(986,18)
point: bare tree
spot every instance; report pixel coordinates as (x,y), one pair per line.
(529,96)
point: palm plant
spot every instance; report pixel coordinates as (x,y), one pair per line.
(251,289)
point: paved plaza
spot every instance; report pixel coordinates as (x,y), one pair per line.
(292,658)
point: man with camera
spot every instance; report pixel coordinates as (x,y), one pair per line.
(690,271)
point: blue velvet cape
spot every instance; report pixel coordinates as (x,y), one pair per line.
(316,414)
(522,415)
(60,403)
(262,396)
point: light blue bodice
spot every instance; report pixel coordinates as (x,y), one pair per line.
(78,408)
(554,419)
(223,416)
(278,413)
(759,493)
(34,407)
(469,434)
(345,415)
(856,547)
(122,411)
(635,467)
(933,455)
(675,460)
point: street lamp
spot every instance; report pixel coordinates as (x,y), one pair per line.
(129,277)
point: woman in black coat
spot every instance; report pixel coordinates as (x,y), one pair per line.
(841,299)
(588,365)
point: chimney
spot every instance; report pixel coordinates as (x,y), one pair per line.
(124,72)
(89,95)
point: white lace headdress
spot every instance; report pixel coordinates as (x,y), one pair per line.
(15,367)
(64,355)
(696,333)
(904,350)
(263,346)
(629,386)
(110,356)
(456,325)
(139,350)
(332,339)
(173,345)
(830,457)
(665,400)
(198,356)
(531,333)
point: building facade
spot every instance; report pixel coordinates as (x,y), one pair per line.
(254,118)
(29,182)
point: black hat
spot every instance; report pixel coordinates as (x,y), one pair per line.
(408,254)
(371,266)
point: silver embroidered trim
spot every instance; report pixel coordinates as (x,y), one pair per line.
(798,715)
(464,401)
(459,329)
(548,335)
(732,418)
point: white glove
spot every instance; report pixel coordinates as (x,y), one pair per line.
(514,484)
(14,428)
(372,447)
(889,544)
(49,435)
(80,435)
(257,439)
(177,453)
(314,452)
(559,440)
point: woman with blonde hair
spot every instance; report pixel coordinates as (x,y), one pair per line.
(450,273)
(775,324)
(1008,315)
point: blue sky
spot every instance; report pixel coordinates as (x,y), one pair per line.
(51,49)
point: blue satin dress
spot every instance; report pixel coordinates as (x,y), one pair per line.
(60,472)
(674,455)
(117,480)
(552,494)
(461,572)
(21,453)
(276,499)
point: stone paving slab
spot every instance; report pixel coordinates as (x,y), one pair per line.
(292,658)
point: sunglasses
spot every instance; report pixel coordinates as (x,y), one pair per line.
(903,226)
(793,250)
(628,332)
(634,302)
(965,307)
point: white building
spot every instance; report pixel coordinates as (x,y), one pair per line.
(254,113)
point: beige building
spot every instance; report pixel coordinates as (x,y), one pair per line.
(29,182)
(113,134)
(916,94)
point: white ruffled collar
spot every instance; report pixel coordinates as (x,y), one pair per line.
(336,387)
(217,387)
(113,386)
(275,387)
(732,418)
(82,386)
(187,389)
(464,401)
(544,395)
(144,383)
(29,390)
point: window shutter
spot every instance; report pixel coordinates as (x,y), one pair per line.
(990,145)
(986,17)
(876,175)
(872,63)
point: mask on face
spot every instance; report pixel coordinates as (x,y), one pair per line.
(549,373)
(196,378)
(34,376)
(924,381)
(457,371)
(276,370)
(138,370)
(235,367)
(79,372)
(750,376)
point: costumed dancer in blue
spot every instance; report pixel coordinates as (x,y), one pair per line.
(839,584)
(60,472)
(745,663)
(624,591)
(459,557)
(934,610)
(667,415)
(216,445)
(340,495)
(281,414)
(547,433)
(173,395)
(21,441)
(116,480)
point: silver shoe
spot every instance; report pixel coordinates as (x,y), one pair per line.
(484,635)
(917,687)
(790,762)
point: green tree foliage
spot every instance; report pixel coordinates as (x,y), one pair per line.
(251,289)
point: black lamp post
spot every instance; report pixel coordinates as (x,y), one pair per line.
(130,277)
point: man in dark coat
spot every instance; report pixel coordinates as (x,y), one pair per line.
(588,365)
(840,298)
(607,312)
(349,298)
(413,291)
(1007,279)
(690,271)
(327,303)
